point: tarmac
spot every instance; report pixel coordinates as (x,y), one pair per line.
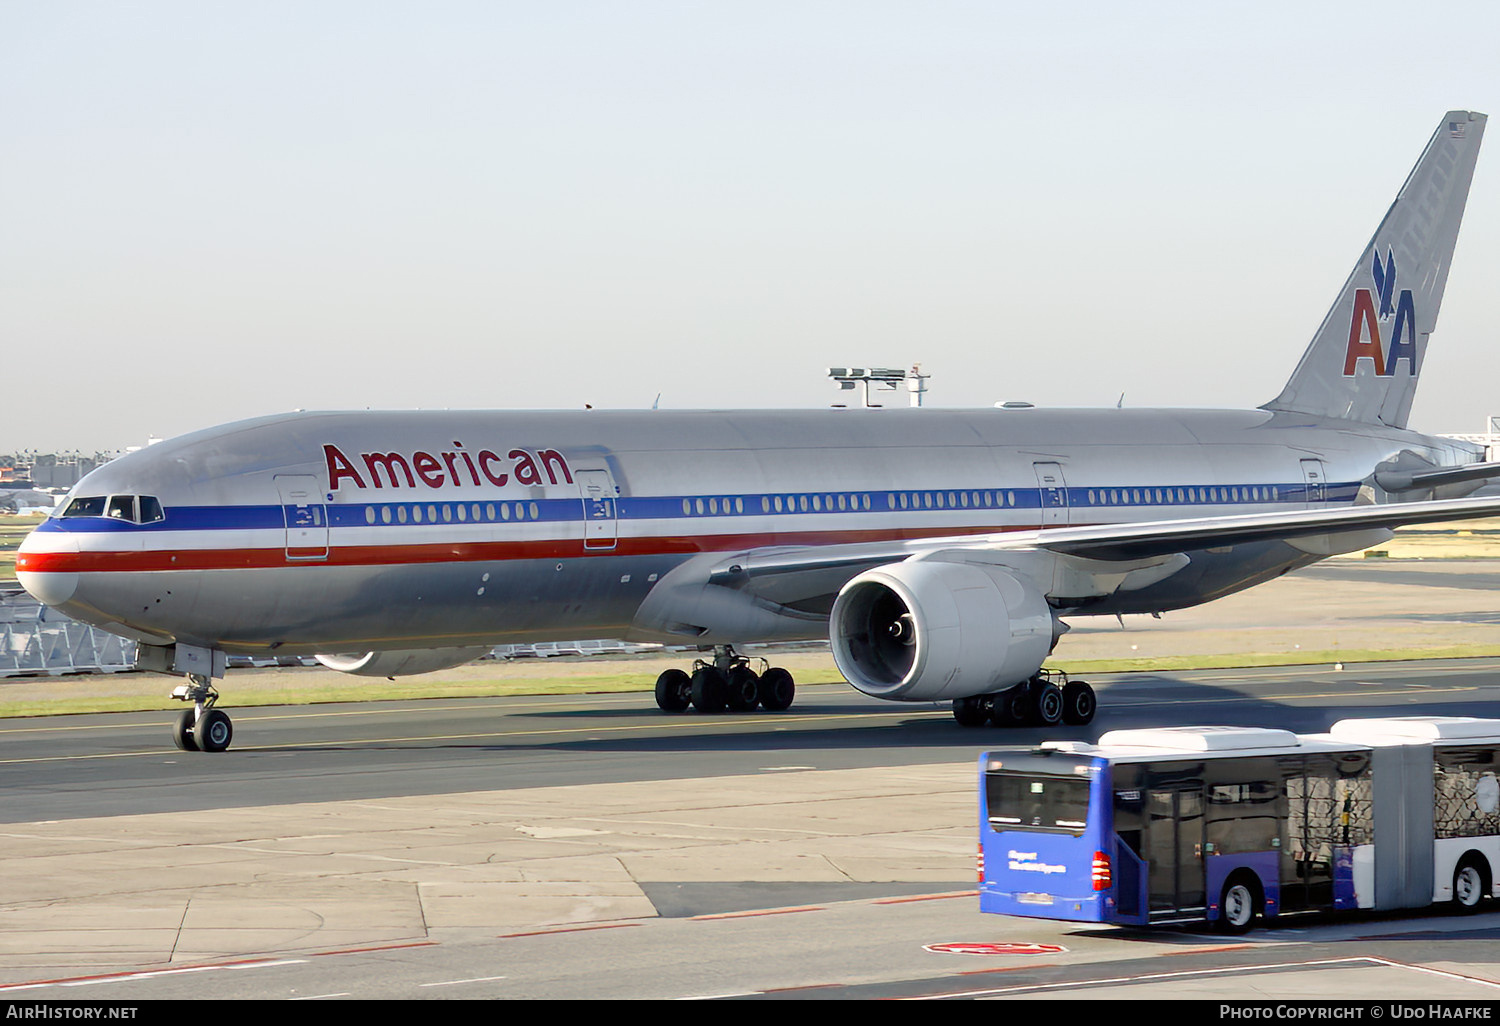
(92,895)
(89,895)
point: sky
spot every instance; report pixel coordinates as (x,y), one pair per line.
(212,211)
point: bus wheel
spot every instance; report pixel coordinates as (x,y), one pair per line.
(1237,906)
(1470,884)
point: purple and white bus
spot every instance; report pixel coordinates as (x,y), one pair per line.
(1227,824)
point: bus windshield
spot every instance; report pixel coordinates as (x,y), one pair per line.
(1037,801)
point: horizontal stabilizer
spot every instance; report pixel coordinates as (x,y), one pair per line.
(1402,481)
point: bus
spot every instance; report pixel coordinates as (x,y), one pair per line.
(1229,825)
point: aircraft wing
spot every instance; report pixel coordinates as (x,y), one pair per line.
(1110,542)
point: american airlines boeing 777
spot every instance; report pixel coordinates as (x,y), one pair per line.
(939,551)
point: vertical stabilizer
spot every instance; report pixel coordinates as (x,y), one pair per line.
(1364,361)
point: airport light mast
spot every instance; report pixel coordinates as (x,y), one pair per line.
(884,378)
(917,382)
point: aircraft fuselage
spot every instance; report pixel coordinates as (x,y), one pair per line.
(335,532)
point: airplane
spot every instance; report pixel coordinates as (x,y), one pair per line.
(26,500)
(939,551)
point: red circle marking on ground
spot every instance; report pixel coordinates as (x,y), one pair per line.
(973,948)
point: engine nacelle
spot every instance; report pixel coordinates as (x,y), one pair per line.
(923,630)
(400,663)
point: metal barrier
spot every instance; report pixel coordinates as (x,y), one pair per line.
(38,640)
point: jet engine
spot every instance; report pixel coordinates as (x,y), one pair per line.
(400,663)
(924,630)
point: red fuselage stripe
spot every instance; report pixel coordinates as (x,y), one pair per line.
(447,552)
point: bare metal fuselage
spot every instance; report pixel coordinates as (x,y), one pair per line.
(343,532)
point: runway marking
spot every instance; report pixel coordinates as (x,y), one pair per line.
(688,723)
(865,717)
(758,912)
(1370,960)
(148,974)
(375,947)
(926,897)
(1125,703)
(252,712)
(566,929)
(456,983)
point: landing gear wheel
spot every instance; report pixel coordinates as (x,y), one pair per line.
(213,731)
(974,711)
(743,689)
(1469,886)
(182,731)
(1079,703)
(776,689)
(1236,907)
(674,690)
(709,690)
(1047,703)
(1012,708)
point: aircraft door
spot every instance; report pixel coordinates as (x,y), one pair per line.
(1314,483)
(600,512)
(305,515)
(1054,493)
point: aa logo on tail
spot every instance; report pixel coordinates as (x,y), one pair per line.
(1365,342)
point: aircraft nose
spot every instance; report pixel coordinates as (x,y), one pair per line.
(38,569)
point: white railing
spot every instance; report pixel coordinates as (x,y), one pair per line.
(37,640)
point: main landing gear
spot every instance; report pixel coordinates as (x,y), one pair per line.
(201,728)
(726,683)
(1046,700)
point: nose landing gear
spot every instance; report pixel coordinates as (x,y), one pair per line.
(201,728)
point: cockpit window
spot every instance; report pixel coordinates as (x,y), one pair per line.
(137,509)
(121,507)
(85,506)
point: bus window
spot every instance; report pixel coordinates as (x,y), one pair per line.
(1036,801)
(1466,794)
(1243,817)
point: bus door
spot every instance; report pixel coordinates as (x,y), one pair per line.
(1173,849)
